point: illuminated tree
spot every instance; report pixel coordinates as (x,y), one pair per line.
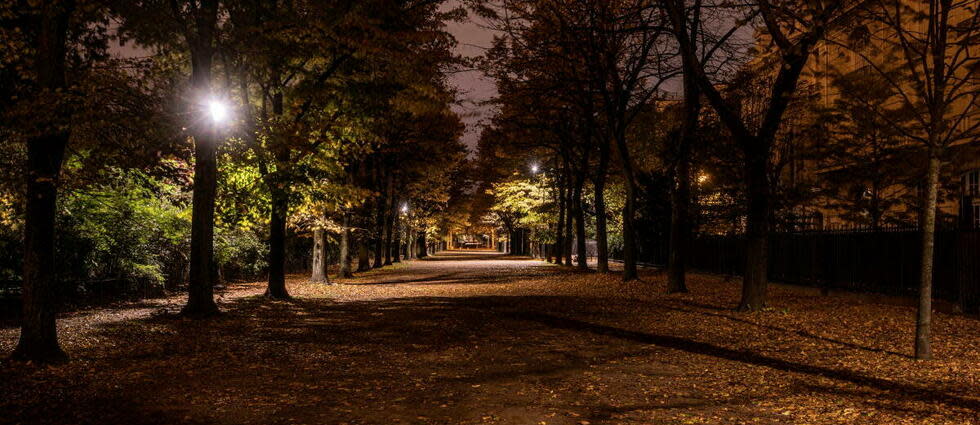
(190,27)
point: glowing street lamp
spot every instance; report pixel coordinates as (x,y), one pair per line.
(534,168)
(218,111)
(404,208)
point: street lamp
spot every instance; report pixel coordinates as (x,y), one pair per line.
(534,168)
(218,111)
(405,208)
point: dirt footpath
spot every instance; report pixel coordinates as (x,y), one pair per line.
(486,339)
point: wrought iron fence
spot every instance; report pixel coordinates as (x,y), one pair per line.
(882,260)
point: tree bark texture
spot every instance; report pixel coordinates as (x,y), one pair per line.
(363,254)
(923,323)
(629,211)
(757,234)
(344,267)
(680,206)
(580,246)
(45,154)
(319,266)
(601,228)
(200,288)
(279,191)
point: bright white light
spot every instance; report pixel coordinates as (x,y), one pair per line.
(404,208)
(534,168)
(218,110)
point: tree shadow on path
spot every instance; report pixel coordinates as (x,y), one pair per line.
(441,360)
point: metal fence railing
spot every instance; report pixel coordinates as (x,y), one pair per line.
(884,260)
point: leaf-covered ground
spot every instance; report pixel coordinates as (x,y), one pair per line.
(483,339)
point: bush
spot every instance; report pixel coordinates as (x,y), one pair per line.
(239,254)
(121,235)
(129,237)
(11,253)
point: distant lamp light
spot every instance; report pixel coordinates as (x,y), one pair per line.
(404,208)
(534,168)
(703,178)
(218,111)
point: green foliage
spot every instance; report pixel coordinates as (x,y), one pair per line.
(11,254)
(525,203)
(239,253)
(322,90)
(126,229)
(243,199)
(129,234)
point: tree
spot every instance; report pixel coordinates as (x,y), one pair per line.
(191,27)
(871,168)
(629,63)
(524,203)
(922,50)
(65,89)
(317,73)
(793,36)
(49,25)
(599,63)
(546,109)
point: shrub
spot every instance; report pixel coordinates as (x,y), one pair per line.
(239,254)
(120,235)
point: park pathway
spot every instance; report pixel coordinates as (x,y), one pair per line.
(480,338)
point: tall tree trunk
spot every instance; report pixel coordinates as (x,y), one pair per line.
(601,229)
(580,246)
(680,206)
(389,218)
(200,287)
(923,325)
(755,278)
(45,154)
(38,334)
(388,238)
(200,300)
(396,236)
(680,228)
(319,267)
(379,223)
(379,237)
(629,211)
(423,249)
(277,219)
(569,211)
(560,234)
(363,257)
(409,242)
(345,241)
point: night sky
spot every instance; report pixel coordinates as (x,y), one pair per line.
(474,87)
